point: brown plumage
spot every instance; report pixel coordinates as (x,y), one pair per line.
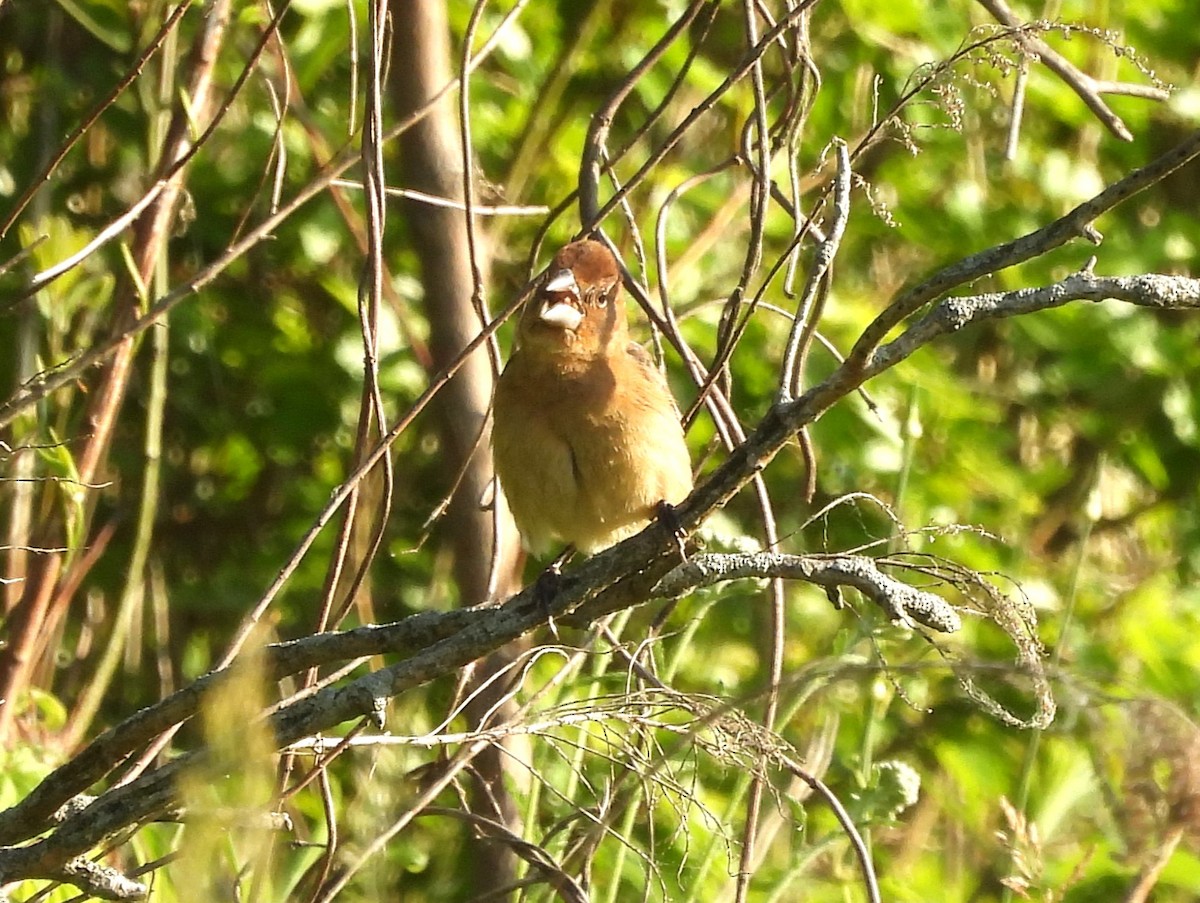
(587,437)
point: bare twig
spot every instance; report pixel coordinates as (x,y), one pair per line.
(165,181)
(951,315)
(590,213)
(860,847)
(1147,878)
(589,174)
(435,201)
(65,372)
(1077,223)
(1088,88)
(80,130)
(808,312)
(902,603)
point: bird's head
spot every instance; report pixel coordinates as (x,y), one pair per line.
(578,309)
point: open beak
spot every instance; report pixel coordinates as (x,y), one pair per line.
(559,307)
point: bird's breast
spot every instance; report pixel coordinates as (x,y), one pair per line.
(585,450)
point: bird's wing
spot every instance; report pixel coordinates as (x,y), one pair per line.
(646,363)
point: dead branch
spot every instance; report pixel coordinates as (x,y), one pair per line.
(1088,88)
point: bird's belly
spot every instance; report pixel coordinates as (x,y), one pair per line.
(539,480)
(622,485)
(592,490)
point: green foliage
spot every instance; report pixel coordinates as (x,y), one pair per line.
(1057,454)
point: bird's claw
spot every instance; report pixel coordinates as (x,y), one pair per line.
(547,585)
(664,511)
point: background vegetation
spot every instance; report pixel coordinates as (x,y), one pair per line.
(152,494)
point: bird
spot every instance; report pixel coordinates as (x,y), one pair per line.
(587,440)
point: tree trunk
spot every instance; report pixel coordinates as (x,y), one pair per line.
(433,163)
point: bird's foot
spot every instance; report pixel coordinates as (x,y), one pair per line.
(547,585)
(664,511)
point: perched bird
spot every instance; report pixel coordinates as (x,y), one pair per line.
(587,438)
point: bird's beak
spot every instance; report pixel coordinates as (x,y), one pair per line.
(560,302)
(562,314)
(562,281)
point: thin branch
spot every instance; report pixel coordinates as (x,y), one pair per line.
(71,140)
(856,840)
(435,201)
(1088,88)
(589,177)
(104,236)
(1148,877)
(569,889)
(1158,292)
(902,603)
(590,214)
(1076,223)
(65,372)
(166,180)
(808,311)
(32,814)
